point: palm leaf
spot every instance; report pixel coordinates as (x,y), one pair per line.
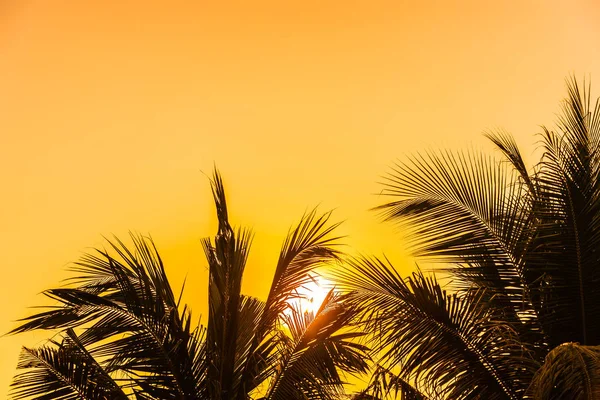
(571,371)
(62,371)
(309,244)
(226,258)
(129,317)
(439,340)
(564,258)
(385,384)
(506,143)
(466,210)
(315,351)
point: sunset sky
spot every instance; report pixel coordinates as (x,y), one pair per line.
(112,112)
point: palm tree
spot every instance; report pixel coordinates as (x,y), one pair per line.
(124,334)
(522,248)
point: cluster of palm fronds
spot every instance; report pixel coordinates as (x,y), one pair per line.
(523,249)
(137,340)
(519,320)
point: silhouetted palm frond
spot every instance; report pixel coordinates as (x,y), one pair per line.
(384,384)
(309,244)
(226,257)
(450,342)
(63,370)
(571,371)
(522,244)
(133,320)
(133,326)
(467,211)
(563,263)
(314,352)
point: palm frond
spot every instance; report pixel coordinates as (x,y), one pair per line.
(465,210)
(226,258)
(439,340)
(308,245)
(384,384)
(571,371)
(62,371)
(317,349)
(506,143)
(129,317)
(121,301)
(562,264)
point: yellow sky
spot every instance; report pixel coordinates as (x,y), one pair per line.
(110,110)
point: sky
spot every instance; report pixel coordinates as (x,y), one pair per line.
(113,112)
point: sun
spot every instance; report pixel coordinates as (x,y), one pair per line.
(313,293)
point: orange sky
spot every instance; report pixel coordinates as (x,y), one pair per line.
(110,110)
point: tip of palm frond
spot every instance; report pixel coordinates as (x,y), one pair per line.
(501,138)
(314,227)
(218,191)
(573,87)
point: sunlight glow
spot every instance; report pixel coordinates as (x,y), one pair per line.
(313,293)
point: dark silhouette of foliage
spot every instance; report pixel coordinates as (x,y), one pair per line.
(135,340)
(522,246)
(520,318)
(385,384)
(571,371)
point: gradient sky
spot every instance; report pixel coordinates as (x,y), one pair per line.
(110,112)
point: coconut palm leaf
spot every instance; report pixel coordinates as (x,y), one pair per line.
(133,320)
(226,257)
(308,245)
(384,384)
(450,342)
(241,330)
(523,246)
(62,370)
(570,372)
(314,352)
(129,317)
(564,259)
(467,211)
(506,143)
(461,207)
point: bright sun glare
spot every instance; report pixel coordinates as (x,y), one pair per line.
(313,293)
